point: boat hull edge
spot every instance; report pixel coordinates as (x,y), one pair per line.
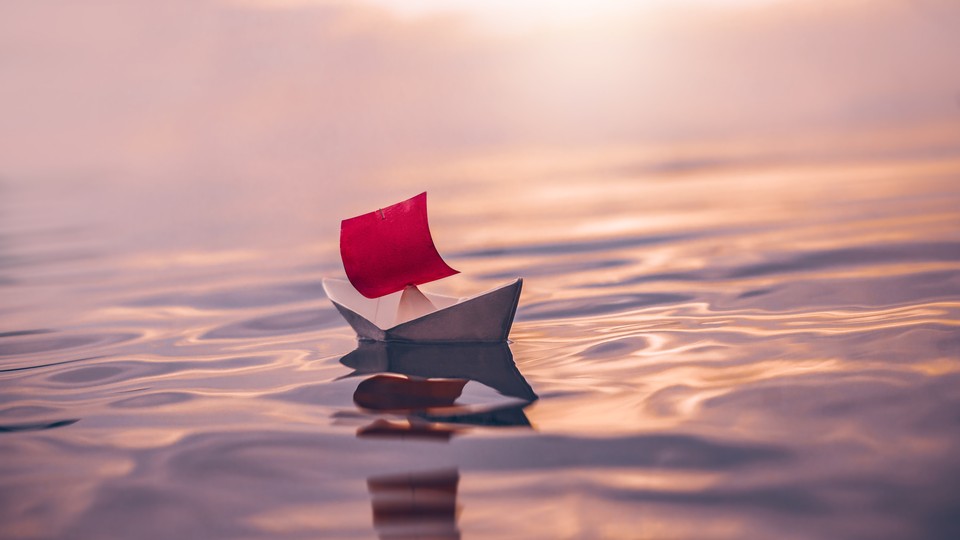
(487,318)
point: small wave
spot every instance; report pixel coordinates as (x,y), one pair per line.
(52,342)
(37,426)
(292,322)
(597,305)
(238,298)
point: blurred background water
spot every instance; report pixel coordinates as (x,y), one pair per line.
(738,224)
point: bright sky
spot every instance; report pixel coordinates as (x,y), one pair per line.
(188,88)
(512,14)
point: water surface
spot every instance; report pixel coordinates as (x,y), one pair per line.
(764,351)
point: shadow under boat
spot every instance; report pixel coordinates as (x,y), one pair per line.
(424,381)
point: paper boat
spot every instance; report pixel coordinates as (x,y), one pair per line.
(483,318)
(386,254)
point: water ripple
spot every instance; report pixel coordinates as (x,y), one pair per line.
(597,305)
(59,342)
(566,248)
(12,428)
(280,324)
(239,298)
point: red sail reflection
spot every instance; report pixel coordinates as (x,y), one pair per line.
(407,429)
(421,505)
(386,250)
(399,394)
(396,393)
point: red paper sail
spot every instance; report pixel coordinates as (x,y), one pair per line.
(386,250)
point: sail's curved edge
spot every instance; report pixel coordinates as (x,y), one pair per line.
(388,249)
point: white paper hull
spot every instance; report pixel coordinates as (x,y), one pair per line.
(486,318)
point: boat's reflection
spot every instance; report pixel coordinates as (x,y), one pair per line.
(410,428)
(420,505)
(394,393)
(416,390)
(423,382)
